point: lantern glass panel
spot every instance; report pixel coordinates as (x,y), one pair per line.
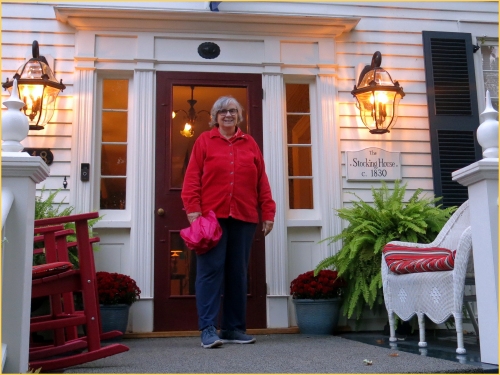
(379,75)
(378,109)
(39,102)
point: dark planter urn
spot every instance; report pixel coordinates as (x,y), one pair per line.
(317,316)
(114,317)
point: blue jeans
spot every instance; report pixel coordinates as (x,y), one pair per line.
(223,270)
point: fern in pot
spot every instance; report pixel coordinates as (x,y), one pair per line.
(370,227)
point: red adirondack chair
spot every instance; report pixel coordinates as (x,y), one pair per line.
(58,280)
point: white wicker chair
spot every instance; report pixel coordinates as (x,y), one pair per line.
(435,294)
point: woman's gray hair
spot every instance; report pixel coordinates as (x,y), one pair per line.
(222,103)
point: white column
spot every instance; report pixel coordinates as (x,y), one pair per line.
(331,191)
(82,139)
(141,234)
(481,178)
(20,174)
(275,156)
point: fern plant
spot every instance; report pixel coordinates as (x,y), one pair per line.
(370,227)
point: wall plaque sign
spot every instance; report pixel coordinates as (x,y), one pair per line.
(373,164)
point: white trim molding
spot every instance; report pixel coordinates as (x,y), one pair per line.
(226,23)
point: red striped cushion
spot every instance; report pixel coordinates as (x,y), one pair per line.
(49,269)
(403,259)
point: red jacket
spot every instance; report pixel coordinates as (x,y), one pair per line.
(228,177)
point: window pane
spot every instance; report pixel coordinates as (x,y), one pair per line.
(113,193)
(297,98)
(182,267)
(298,129)
(115,94)
(489,55)
(300,194)
(113,160)
(114,127)
(299,161)
(180,144)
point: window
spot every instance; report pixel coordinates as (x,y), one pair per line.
(299,147)
(489,53)
(113,156)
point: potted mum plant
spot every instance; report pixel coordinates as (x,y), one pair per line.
(117,292)
(317,301)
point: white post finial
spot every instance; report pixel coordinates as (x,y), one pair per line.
(487,132)
(15,125)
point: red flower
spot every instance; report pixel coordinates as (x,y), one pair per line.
(325,285)
(116,288)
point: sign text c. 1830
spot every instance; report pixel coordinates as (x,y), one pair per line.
(373,164)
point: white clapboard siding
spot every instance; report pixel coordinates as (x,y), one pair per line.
(21,25)
(367,196)
(58,168)
(412,185)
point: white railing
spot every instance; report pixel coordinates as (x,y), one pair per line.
(7,200)
(481,179)
(20,174)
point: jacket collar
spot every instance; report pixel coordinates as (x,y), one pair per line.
(214,132)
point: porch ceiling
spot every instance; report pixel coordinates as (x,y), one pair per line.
(206,22)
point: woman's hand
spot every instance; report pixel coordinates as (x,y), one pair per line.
(267,227)
(193,216)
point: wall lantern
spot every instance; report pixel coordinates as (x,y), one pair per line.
(191,115)
(38,89)
(377,97)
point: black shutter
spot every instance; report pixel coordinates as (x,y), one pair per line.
(453,110)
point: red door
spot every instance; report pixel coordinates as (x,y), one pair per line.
(180,96)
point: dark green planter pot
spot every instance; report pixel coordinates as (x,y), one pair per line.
(114,317)
(317,316)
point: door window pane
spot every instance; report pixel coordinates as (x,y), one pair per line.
(298,125)
(182,142)
(298,129)
(182,267)
(297,98)
(115,94)
(113,160)
(299,161)
(300,193)
(114,126)
(113,193)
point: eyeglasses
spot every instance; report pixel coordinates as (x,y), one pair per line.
(231,111)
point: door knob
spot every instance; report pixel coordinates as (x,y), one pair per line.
(161,212)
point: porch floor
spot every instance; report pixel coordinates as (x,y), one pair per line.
(286,351)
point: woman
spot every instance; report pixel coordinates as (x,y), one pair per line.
(226,174)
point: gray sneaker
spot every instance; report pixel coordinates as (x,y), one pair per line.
(236,337)
(209,338)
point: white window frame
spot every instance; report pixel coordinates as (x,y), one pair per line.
(478,66)
(113,218)
(306,217)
